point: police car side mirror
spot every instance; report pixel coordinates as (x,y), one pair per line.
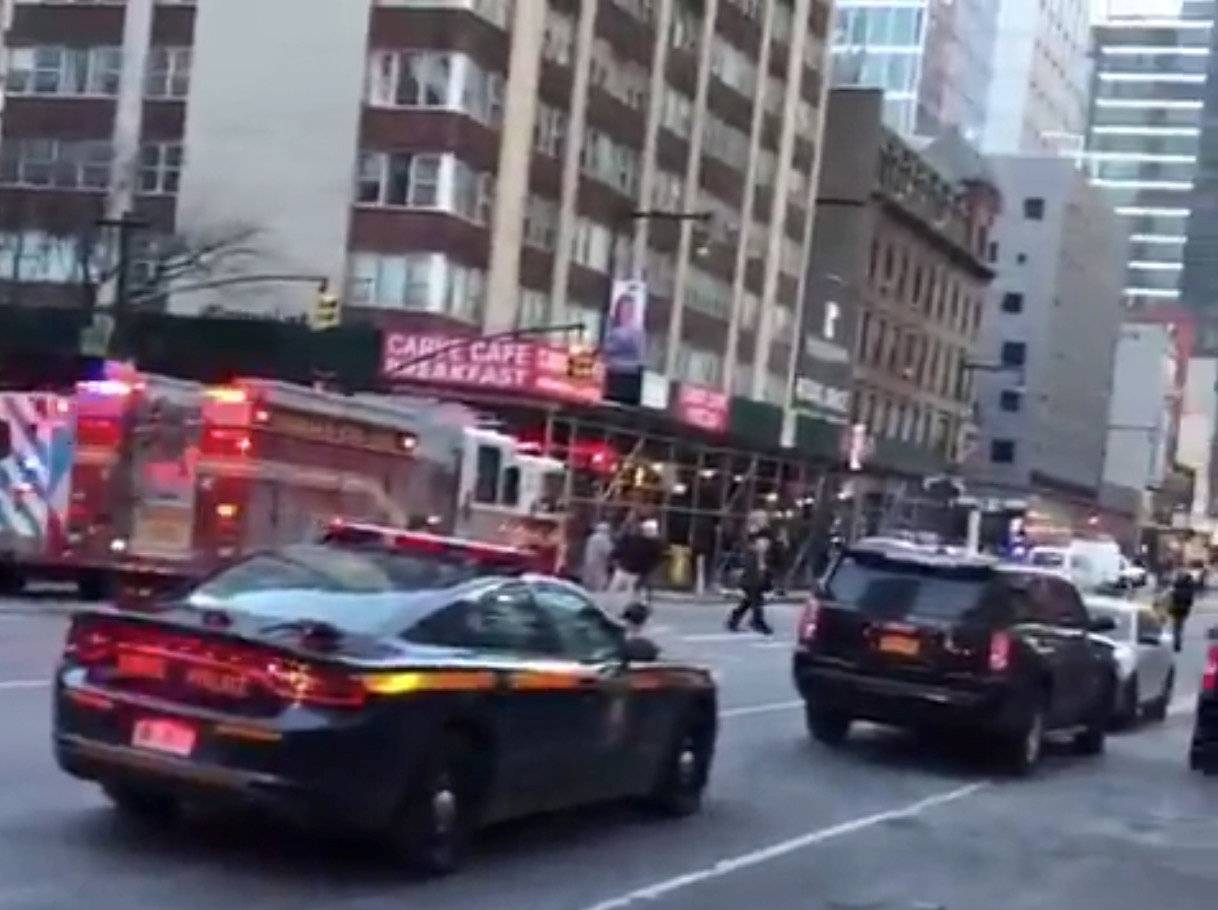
(639,650)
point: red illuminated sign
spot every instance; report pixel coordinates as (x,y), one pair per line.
(503,365)
(702,407)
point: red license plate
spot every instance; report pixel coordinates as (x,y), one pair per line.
(169,736)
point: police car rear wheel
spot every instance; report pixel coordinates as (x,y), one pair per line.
(433,829)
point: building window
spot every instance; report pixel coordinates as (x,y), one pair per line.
(1021,258)
(428,79)
(168,73)
(549,130)
(404,179)
(1002,451)
(160,168)
(1014,353)
(1009,400)
(1012,302)
(51,164)
(1034,208)
(65,71)
(426,282)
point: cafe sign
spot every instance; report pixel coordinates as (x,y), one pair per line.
(505,365)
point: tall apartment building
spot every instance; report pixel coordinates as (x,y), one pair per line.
(898,270)
(933,58)
(1150,86)
(1052,320)
(1038,97)
(480,163)
(94,118)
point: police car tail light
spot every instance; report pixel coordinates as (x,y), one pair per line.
(1209,681)
(91,644)
(809,619)
(321,687)
(1000,652)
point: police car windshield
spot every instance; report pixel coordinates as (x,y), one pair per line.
(356,589)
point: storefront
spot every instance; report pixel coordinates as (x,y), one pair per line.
(689,456)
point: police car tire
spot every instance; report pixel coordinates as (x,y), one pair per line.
(685,771)
(432,832)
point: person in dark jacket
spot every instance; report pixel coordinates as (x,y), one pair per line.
(755,581)
(1183,593)
(636,556)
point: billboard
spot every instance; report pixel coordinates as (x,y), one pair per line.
(510,365)
(625,336)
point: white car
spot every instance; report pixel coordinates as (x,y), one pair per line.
(1144,657)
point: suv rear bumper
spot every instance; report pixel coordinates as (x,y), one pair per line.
(905,703)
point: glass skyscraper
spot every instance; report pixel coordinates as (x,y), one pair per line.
(1149,103)
(933,58)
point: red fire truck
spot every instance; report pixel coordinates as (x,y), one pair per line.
(135,482)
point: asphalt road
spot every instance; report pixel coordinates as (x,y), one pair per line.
(887,823)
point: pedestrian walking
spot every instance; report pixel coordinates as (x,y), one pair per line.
(1183,593)
(755,581)
(598,551)
(636,556)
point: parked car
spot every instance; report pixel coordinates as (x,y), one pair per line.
(914,638)
(1203,751)
(1090,564)
(1142,649)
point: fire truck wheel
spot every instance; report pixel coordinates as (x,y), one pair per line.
(94,586)
(12,582)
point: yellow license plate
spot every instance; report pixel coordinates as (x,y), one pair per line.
(899,644)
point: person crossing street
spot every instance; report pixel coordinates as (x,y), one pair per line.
(1183,593)
(755,581)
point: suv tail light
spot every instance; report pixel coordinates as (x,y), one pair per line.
(1000,652)
(808,621)
(1209,681)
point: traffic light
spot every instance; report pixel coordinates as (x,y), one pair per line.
(327,310)
(581,364)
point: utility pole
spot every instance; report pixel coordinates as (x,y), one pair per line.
(127,225)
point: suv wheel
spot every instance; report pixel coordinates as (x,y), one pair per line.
(1025,748)
(1127,714)
(1159,707)
(1090,740)
(826,725)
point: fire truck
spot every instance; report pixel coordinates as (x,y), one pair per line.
(133,482)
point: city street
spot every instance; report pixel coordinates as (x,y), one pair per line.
(886,823)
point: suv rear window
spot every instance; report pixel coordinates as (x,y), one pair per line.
(892,589)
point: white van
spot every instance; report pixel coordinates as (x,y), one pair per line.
(1090,564)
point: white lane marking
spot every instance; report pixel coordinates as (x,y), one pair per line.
(23,684)
(767,708)
(768,645)
(765,854)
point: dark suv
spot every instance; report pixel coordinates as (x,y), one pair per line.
(913,638)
